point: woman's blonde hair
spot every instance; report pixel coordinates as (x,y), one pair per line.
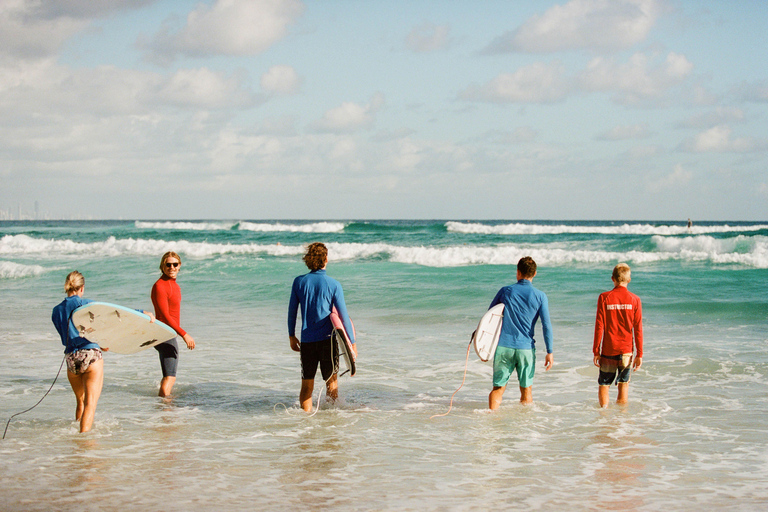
(169,254)
(74,282)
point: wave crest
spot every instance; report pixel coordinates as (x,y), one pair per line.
(625,229)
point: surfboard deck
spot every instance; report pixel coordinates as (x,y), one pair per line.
(345,344)
(486,336)
(120,329)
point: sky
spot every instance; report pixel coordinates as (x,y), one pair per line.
(391,109)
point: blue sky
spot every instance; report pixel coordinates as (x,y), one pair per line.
(289,109)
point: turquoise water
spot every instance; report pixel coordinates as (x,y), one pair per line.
(233,437)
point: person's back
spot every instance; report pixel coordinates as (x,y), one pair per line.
(523,305)
(516,350)
(619,316)
(618,333)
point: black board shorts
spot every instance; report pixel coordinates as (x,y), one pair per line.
(324,352)
(169,357)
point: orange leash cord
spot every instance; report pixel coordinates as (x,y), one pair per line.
(466,365)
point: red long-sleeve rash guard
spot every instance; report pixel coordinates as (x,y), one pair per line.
(166,297)
(619,317)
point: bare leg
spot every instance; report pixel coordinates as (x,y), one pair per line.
(332,387)
(93,379)
(526,395)
(76,381)
(602,395)
(623,393)
(494,399)
(305,395)
(166,386)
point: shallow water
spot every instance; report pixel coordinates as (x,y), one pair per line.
(233,438)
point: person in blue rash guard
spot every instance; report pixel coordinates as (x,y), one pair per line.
(523,306)
(317,294)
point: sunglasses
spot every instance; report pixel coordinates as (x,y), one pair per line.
(174,265)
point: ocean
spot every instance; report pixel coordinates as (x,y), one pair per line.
(694,433)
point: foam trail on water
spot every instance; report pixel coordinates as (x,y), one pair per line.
(264,227)
(10,270)
(624,229)
(740,250)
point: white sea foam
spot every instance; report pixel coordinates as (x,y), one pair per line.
(186,226)
(265,227)
(315,227)
(22,245)
(745,250)
(741,250)
(10,270)
(624,229)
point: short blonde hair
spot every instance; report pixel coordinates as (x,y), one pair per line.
(621,273)
(169,254)
(74,282)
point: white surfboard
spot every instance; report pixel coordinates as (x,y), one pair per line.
(486,336)
(120,329)
(345,344)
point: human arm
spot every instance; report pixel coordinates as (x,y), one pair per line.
(637,329)
(546,324)
(293,310)
(599,330)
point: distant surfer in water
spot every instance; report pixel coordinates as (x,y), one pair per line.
(618,322)
(317,294)
(516,351)
(166,297)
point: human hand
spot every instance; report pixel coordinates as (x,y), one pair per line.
(597,361)
(150,315)
(295,343)
(190,341)
(549,361)
(637,363)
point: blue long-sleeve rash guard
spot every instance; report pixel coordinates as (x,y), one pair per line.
(70,336)
(523,305)
(317,293)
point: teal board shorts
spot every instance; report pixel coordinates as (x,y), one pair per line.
(507,360)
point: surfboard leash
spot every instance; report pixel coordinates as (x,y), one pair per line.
(38,403)
(466,365)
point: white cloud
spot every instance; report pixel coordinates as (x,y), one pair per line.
(428,38)
(201,88)
(582,24)
(349,117)
(37,29)
(677,179)
(229,27)
(280,79)
(718,140)
(634,131)
(639,79)
(537,83)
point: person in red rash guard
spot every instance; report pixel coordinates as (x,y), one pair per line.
(166,297)
(619,323)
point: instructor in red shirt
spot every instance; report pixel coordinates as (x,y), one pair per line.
(166,297)
(619,322)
